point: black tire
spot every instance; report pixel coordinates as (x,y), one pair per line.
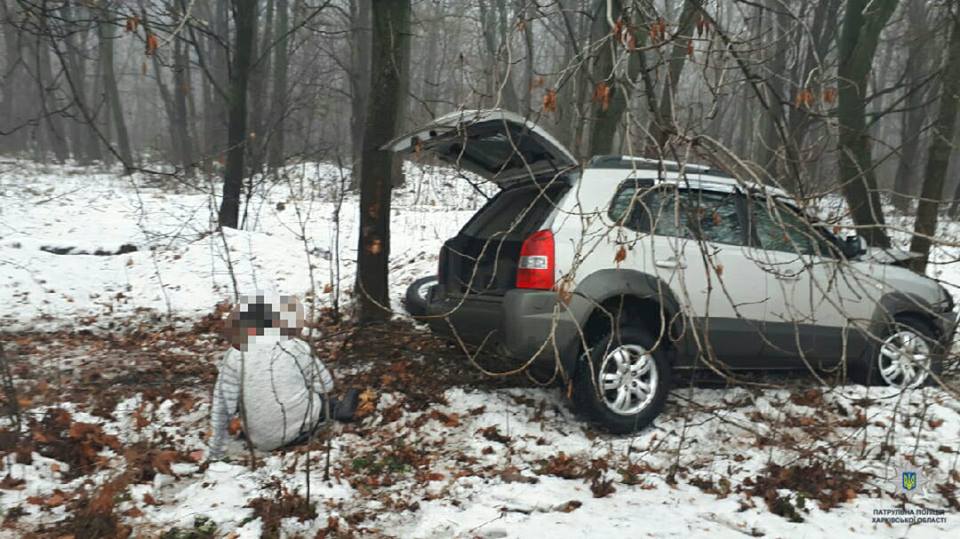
(594,403)
(415,300)
(866,370)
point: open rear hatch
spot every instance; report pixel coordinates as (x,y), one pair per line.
(534,170)
(498,145)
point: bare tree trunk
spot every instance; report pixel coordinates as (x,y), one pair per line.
(662,124)
(941,146)
(495,35)
(529,14)
(216,105)
(430,82)
(107,33)
(390,44)
(245,20)
(14,83)
(49,101)
(909,166)
(777,49)
(605,116)
(275,156)
(397,176)
(256,149)
(359,82)
(860,33)
(181,116)
(83,140)
(823,33)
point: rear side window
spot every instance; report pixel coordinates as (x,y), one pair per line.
(516,212)
(686,213)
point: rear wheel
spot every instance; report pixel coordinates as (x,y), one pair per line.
(622,381)
(905,357)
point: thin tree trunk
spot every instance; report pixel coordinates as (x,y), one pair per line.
(13,117)
(107,31)
(359,78)
(859,36)
(778,49)
(605,116)
(528,17)
(390,44)
(49,101)
(938,158)
(174,153)
(181,91)
(661,126)
(258,84)
(500,82)
(397,176)
(909,165)
(245,21)
(279,107)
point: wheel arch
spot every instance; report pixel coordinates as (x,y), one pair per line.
(904,304)
(628,296)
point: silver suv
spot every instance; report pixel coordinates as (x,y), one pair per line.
(622,270)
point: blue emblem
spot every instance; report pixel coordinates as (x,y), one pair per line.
(909,480)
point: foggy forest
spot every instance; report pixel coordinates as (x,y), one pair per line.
(171,170)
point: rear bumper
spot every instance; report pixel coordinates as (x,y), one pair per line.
(522,325)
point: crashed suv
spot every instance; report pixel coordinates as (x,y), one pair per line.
(625,269)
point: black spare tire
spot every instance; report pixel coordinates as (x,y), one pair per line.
(415,300)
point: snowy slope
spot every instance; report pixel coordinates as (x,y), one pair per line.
(181,267)
(693,473)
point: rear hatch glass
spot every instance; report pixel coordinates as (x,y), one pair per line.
(483,257)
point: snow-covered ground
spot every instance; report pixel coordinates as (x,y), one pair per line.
(477,461)
(180,267)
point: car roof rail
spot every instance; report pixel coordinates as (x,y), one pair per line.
(645,163)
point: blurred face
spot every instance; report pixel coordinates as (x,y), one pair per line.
(256,316)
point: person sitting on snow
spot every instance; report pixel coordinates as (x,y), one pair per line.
(271,379)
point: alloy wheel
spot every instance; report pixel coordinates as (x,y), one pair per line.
(628,379)
(904,359)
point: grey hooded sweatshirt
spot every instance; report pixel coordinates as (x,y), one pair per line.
(282,386)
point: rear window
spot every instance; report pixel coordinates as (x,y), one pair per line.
(516,212)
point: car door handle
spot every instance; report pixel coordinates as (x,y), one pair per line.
(787,277)
(670,263)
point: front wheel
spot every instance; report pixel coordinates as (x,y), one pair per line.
(623,381)
(905,357)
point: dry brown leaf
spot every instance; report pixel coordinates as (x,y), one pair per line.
(550,101)
(621,255)
(152,44)
(235,426)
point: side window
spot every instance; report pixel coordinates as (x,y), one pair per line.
(715,217)
(668,211)
(621,201)
(779,228)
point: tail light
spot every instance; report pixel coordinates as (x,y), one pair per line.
(535,269)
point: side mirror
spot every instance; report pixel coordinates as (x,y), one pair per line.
(854,246)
